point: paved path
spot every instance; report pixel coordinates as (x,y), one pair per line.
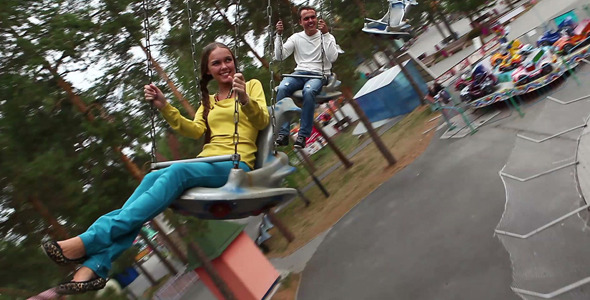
(428,232)
(424,234)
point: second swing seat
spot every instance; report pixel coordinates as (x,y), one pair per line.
(329,91)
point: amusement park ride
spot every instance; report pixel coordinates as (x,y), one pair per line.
(392,24)
(515,69)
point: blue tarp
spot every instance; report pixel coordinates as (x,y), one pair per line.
(390,94)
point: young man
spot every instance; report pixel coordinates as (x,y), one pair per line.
(314,50)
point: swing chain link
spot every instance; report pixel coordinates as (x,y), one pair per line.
(150,74)
(236,136)
(273,99)
(193,49)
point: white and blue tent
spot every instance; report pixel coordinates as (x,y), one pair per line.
(390,94)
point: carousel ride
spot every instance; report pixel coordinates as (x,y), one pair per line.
(516,69)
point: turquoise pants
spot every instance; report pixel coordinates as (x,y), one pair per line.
(113,233)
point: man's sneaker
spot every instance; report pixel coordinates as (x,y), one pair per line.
(299,142)
(282,140)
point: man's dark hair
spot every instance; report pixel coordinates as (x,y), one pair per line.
(302,8)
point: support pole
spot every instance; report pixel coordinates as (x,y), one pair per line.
(303,198)
(311,173)
(307,162)
(567,65)
(345,161)
(147,275)
(376,138)
(280,226)
(516,106)
(409,78)
(163,259)
(168,241)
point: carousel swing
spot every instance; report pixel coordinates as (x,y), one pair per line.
(245,193)
(392,25)
(330,90)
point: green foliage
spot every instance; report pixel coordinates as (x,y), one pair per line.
(60,171)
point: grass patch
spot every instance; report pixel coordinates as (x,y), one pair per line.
(348,187)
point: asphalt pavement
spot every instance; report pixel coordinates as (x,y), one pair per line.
(429,232)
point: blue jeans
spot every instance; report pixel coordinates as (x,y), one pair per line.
(114,232)
(310,88)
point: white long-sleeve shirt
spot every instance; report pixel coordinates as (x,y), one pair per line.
(307,51)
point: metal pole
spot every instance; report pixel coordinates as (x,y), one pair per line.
(151,244)
(280,226)
(516,106)
(311,173)
(302,156)
(376,138)
(169,243)
(410,78)
(345,161)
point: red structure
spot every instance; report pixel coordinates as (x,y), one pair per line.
(243,267)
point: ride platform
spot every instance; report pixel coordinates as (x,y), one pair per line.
(508,90)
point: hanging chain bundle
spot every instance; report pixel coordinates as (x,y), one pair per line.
(150,75)
(273,100)
(236,136)
(193,49)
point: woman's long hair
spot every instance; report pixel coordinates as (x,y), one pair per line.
(206,78)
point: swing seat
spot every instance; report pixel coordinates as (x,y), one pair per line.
(329,91)
(247,193)
(392,25)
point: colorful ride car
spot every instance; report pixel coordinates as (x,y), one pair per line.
(515,60)
(463,81)
(579,36)
(550,37)
(539,64)
(483,83)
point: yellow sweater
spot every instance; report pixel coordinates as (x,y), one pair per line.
(253,117)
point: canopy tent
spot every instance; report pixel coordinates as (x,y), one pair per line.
(390,94)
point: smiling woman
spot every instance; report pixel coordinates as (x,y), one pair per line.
(114,232)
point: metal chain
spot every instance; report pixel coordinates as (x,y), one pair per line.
(323,54)
(193,50)
(236,136)
(150,74)
(273,100)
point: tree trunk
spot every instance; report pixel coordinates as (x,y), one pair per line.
(15,292)
(361,7)
(208,266)
(443,18)
(409,78)
(345,161)
(376,138)
(149,276)
(83,108)
(171,269)
(187,106)
(58,231)
(169,243)
(261,59)
(437,26)
(510,4)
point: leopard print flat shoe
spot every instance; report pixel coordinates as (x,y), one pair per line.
(55,253)
(79,287)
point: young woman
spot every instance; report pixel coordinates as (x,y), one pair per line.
(114,232)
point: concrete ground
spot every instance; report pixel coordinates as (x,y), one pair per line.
(430,231)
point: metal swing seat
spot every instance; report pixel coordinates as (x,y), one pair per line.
(392,25)
(245,193)
(330,90)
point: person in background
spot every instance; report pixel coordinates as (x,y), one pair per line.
(314,50)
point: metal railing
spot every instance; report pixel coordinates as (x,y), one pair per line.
(177,286)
